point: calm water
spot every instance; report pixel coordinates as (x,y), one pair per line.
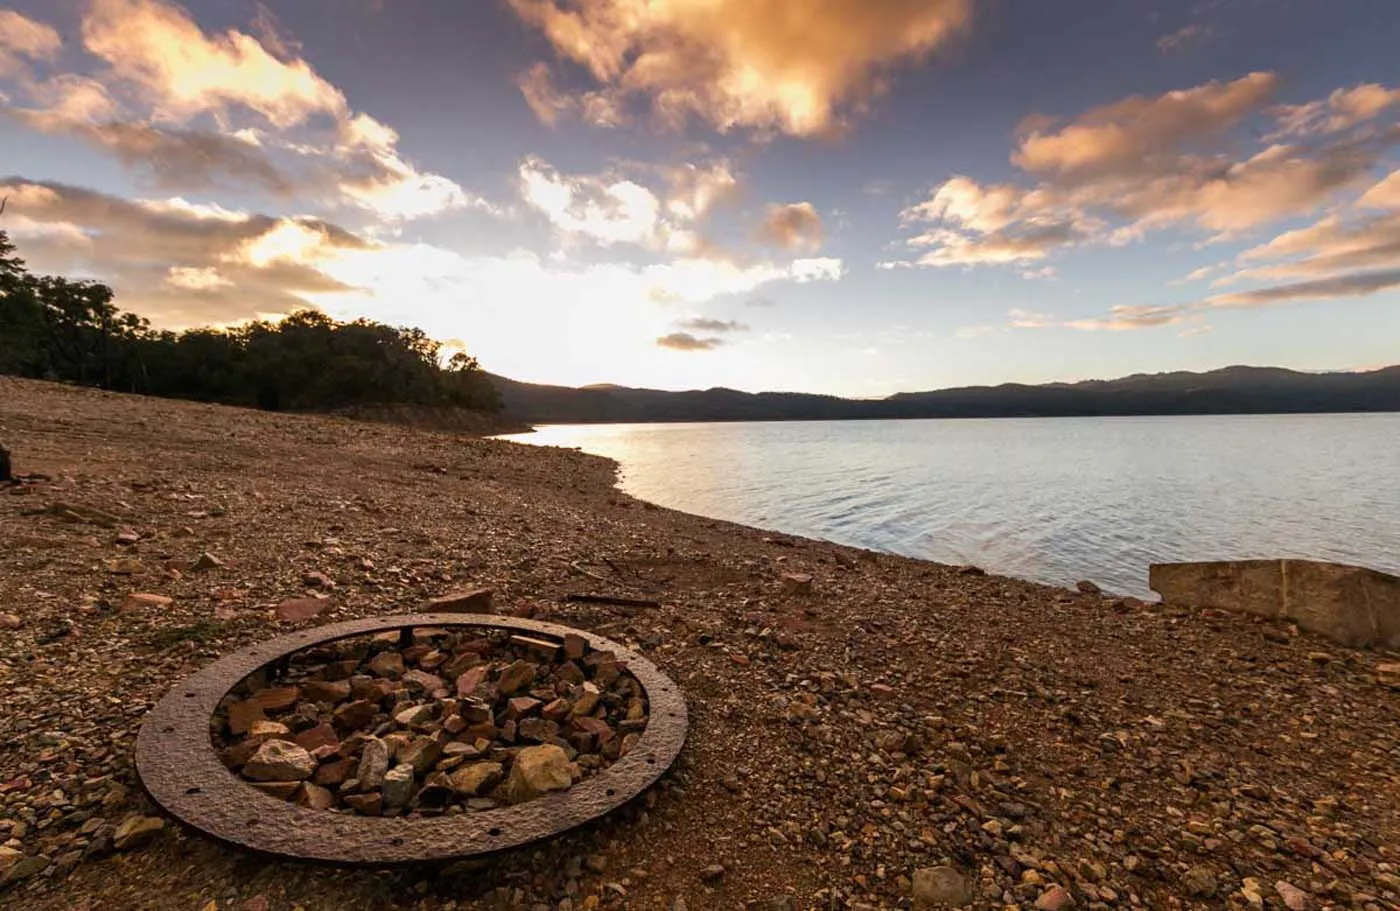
(1056,500)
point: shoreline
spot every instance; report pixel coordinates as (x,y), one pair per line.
(1043,743)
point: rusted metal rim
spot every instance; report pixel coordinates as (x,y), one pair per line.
(179,767)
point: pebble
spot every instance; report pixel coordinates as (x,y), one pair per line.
(940,887)
(136,831)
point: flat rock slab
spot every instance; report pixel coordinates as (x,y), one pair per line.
(1351,605)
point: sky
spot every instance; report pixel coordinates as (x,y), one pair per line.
(854,197)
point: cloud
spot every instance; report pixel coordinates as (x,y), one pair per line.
(179,262)
(1341,110)
(612,208)
(684,341)
(1183,38)
(1384,195)
(171,101)
(1128,317)
(1143,164)
(1350,285)
(794,226)
(604,209)
(550,104)
(780,66)
(701,324)
(158,49)
(23,39)
(1131,135)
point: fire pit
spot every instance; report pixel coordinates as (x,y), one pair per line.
(452,735)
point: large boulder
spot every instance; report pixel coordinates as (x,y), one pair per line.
(1351,605)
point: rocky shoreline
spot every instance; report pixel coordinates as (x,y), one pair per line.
(867,731)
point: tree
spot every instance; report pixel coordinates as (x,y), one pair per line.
(58,329)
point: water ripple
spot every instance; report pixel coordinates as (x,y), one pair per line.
(1055,500)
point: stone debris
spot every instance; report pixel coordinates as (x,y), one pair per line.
(136,831)
(379,723)
(1057,749)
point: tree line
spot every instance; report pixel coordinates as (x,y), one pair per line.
(55,328)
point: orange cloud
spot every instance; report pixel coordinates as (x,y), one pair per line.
(158,49)
(22,40)
(1384,195)
(1341,110)
(785,65)
(1141,164)
(1130,134)
(794,226)
(684,341)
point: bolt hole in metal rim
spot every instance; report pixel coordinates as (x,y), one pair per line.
(178,765)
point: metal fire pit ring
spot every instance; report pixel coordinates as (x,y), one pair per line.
(179,767)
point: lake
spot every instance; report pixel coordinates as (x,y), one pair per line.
(1050,499)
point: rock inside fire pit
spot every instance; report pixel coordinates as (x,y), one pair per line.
(461,720)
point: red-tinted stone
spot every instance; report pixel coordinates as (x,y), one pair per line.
(469,681)
(355,714)
(331,774)
(575,646)
(326,690)
(321,735)
(276,699)
(241,716)
(366,804)
(299,610)
(468,601)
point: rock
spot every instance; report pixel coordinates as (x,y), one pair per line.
(125,567)
(136,831)
(398,786)
(10,621)
(9,857)
(24,869)
(299,610)
(477,778)
(587,700)
(126,538)
(1353,606)
(420,754)
(1251,893)
(241,716)
(472,678)
(276,699)
(315,797)
(206,561)
(326,690)
(374,763)
(1055,898)
(353,715)
(6,469)
(319,736)
(538,770)
(317,580)
(467,601)
(424,681)
(797,583)
(575,646)
(1294,899)
(145,600)
(516,675)
(366,804)
(713,873)
(263,729)
(1199,881)
(1088,587)
(280,760)
(940,887)
(387,664)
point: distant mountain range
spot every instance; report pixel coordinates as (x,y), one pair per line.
(1231,390)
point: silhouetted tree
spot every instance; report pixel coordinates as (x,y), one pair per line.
(57,329)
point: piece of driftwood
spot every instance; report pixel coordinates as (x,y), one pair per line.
(585,598)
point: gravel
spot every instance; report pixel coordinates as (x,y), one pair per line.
(879,717)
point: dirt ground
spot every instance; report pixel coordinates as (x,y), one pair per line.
(1036,747)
